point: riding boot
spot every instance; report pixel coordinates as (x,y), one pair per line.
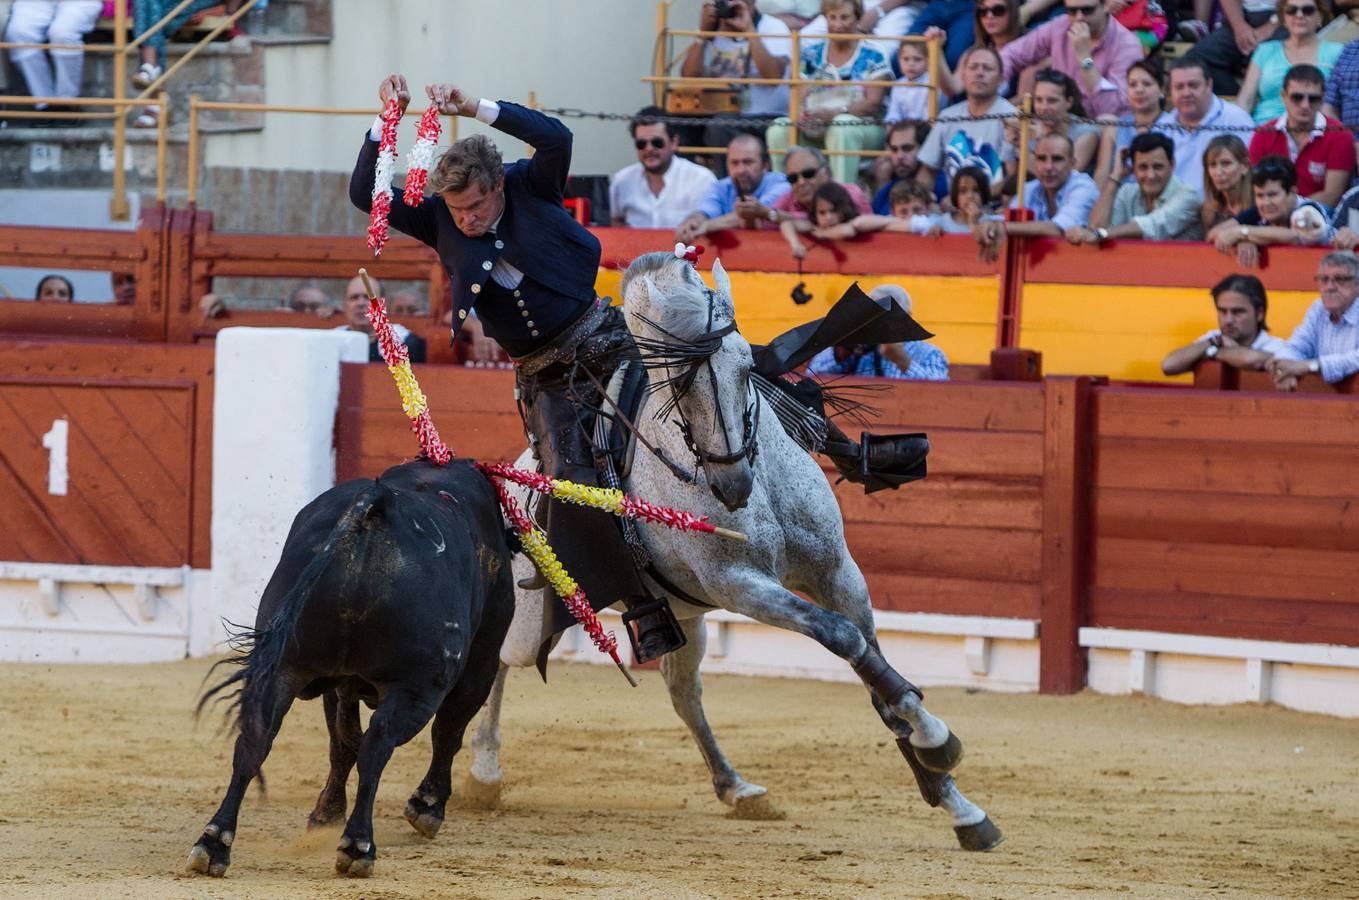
(877,461)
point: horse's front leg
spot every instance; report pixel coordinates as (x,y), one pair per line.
(680,670)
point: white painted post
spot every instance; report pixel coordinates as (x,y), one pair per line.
(1140,671)
(977,650)
(276,394)
(1257,680)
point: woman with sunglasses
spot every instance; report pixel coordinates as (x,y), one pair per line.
(1226,181)
(1302,19)
(995,23)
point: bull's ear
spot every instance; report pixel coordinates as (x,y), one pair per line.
(720,278)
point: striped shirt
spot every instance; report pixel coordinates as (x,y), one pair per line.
(1335,344)
(928,363)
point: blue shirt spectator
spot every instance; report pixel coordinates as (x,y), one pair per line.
(722,196)
(1342,87)
(1327,341)
(928,362)
(744,199)
(1074,200)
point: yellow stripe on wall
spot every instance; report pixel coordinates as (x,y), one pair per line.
(1124,331)
(960,311)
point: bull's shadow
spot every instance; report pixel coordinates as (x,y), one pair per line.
(396,591)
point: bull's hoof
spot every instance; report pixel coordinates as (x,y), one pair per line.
(212,854)
(479,795)
(982,836)
(757,808)
(943,758)
(355,859)
(425,814)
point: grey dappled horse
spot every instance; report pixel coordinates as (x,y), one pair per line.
(752,477)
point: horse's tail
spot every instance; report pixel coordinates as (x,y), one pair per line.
(259,650)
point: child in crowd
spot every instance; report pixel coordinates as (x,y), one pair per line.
(907,100)
(832,208)
(913,212)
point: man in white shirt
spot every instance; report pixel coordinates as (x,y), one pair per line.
(1241,338)
(1198,117)
(660,189)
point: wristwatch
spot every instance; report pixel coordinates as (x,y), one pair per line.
(1211,352)
(774,216)
(1087,64)
(1245,231)
(1102,234)
(1314,366)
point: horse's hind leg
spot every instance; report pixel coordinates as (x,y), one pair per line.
(398,718)
(425,809)
(211,855)
(342,722)
(680,670)
(481,788)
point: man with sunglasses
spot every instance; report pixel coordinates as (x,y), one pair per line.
(1323,156)
(1326,343)
(660,189)
(1089,45)
(806,170)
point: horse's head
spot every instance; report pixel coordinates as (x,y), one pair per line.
(686,333)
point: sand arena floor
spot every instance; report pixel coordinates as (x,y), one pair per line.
(105,783)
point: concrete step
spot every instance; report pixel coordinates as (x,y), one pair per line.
(233,70)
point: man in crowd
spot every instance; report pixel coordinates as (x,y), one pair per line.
(1342,88)
(1198,117)
(1240,338)
(355,307)
(743,199)
(1089,45)
(1326,344)
(1323,156)
(1060,197)
(308,299)
(1156,207)
(904,140)
(806,170)
(406,302)
(916,360)
(971,133)
(764,56)
(660,189)
(1279,215)
(1224,53)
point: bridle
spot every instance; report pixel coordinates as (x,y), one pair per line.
(691,357)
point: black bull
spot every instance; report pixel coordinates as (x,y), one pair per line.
(396,592)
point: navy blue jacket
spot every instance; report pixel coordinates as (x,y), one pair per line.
(558,256)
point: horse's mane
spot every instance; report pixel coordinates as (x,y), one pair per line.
(685,310)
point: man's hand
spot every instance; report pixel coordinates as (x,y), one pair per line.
(898,355)
(1346,239)
(395,86)
(989,237)
(742,20)
(451,100)
(1246,39)
(1224,341)
(691,228)
(750,209)
(707,16)
(1078,36)
(1227,239)
(1248,255)
(1284,368)
(1081,234)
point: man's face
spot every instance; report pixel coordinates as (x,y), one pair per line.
(1192,93)
(1274,203)
(1338,289)
(405,303)
(805,174)
(355,304)
(1052,161)
(745,165)
(1303,102)
(905,153)
(475,209)
(981,75)
(1152,169)
(1091,12)
(1237,318)
(307,300)
(655,148)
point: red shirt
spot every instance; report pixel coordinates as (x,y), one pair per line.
(1325,151)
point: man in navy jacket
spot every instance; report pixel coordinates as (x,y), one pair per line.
(512,251)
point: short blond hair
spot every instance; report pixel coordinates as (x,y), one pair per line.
(473,159)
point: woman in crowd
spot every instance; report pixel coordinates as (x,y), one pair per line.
(54,289)
(1226,181)
(1260,90)
(830,115)
(1146,98)
(995,23)
(1278,216)
(51,22)
(1056,102)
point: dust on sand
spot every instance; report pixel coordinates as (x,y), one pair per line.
(105,784)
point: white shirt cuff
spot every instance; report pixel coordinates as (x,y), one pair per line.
(487,111)
(375,130)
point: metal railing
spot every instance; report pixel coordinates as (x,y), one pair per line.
(796,84)
(119,207)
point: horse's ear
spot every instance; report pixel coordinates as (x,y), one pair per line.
(720,278)
(652,294)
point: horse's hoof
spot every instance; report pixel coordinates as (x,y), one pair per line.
(757,808)
(480,795)
(355,860)
(982,836)
(425,817)
(943,758)
(211,855)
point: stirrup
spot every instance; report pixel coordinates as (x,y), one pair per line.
(653,630)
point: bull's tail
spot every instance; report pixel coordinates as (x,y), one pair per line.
(259,651)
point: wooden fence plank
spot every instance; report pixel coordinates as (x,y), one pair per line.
(992,554)
(1226,616)
(1221,467)
(962,503)
(953,596)
(1225,416)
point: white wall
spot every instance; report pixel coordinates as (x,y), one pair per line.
(586,54)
